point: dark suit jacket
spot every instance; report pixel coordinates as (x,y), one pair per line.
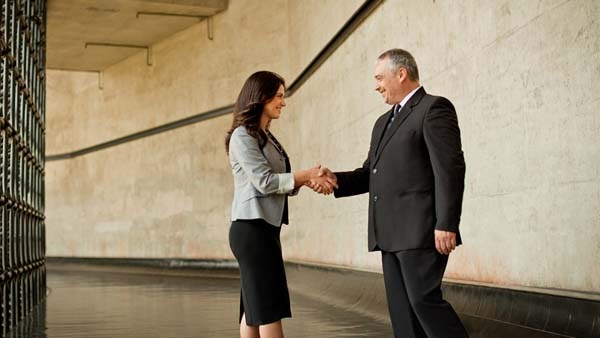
(414,174)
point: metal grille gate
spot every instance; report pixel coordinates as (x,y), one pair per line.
(22,117)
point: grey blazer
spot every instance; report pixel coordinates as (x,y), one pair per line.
(261,184)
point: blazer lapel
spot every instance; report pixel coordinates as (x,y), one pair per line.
(275,143)
(402,115)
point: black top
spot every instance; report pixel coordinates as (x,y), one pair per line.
(288,168)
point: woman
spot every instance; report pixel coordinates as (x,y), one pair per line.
(262,183)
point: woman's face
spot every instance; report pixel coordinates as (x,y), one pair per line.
(272,108)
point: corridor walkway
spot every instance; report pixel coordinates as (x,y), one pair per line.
(97,304)
(123,301)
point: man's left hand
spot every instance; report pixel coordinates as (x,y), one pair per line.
(445,241)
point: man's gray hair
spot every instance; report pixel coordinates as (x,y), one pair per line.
(399,58)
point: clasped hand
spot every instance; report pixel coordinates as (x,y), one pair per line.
(322,180)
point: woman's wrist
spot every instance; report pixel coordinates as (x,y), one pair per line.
(302,177)
(299,178)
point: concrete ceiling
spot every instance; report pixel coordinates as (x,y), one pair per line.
(73,23)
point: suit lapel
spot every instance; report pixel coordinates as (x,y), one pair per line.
(402,115)
(380,131)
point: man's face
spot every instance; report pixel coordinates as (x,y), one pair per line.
(388,83)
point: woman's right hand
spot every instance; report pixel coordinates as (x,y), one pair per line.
(324,182)
(316,180)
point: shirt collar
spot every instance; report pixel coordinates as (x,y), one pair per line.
(407,97)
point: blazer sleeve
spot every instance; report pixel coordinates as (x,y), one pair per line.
(354,182)
(246,150)
(294,192)
(442,137)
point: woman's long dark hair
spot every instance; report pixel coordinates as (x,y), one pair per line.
(258,89)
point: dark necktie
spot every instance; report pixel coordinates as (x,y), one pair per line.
(395,111)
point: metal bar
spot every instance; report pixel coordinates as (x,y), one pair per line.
(149,56)
(365,10)
(210,28)
(78,70)
(22,115)
(338,39)
(116,45)
(119,45)
(138,14)
(145,133)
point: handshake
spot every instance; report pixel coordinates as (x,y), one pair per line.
(321,180)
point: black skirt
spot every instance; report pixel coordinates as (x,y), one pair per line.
(264,294)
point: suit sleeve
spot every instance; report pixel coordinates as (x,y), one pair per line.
(442,137)
(354,182)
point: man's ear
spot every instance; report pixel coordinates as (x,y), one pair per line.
(402,74)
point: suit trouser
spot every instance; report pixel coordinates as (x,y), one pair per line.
(413,280)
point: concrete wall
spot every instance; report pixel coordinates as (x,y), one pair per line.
(524,77)
(167,195)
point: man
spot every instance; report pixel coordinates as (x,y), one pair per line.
(414,174)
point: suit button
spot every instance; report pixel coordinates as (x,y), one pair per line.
(375,171)
(374,198)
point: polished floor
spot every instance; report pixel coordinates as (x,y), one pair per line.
(99,304)
(124,301)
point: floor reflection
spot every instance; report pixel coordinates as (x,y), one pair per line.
(102,304)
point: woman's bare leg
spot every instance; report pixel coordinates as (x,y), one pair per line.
(272,330)
(248,331)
